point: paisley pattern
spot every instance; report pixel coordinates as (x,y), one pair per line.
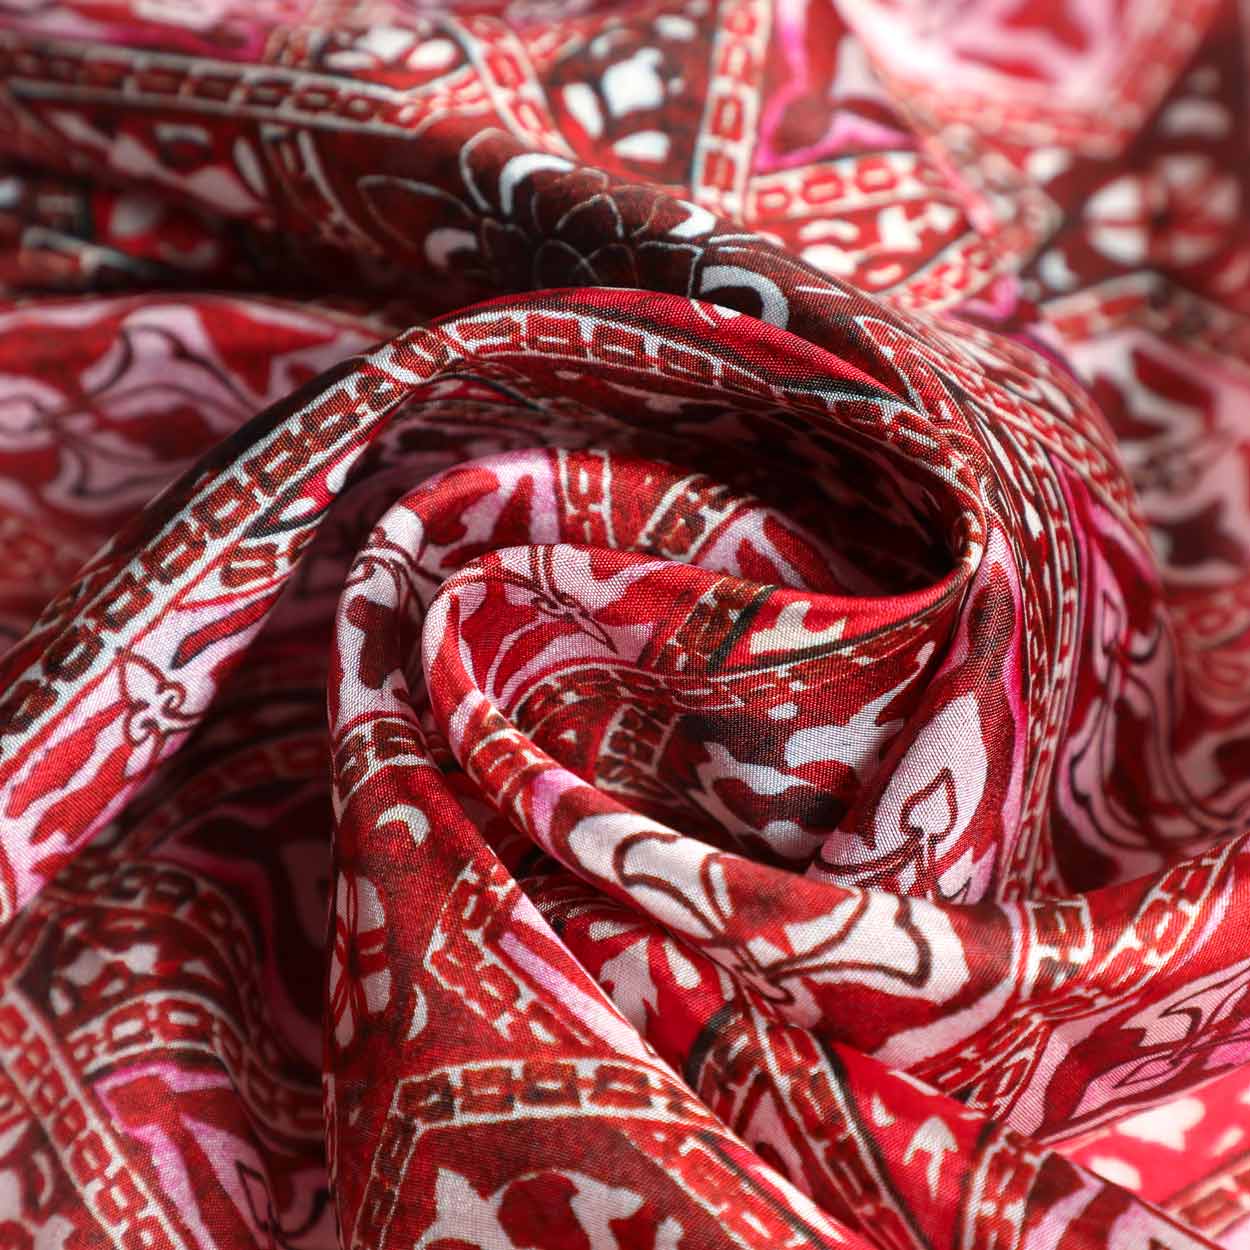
(627,625)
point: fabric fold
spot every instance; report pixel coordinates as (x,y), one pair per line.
(625,627)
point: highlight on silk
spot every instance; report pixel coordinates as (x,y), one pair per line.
(624,625)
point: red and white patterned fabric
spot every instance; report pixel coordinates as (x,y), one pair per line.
(626,625)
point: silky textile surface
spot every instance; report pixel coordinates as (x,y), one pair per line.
(626,625)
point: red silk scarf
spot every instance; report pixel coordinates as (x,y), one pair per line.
(627,625)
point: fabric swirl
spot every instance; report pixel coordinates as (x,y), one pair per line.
(626,625)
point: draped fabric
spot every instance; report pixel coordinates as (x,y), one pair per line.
(626,625)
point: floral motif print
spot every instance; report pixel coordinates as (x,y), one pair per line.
(360,982)
(626,625)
